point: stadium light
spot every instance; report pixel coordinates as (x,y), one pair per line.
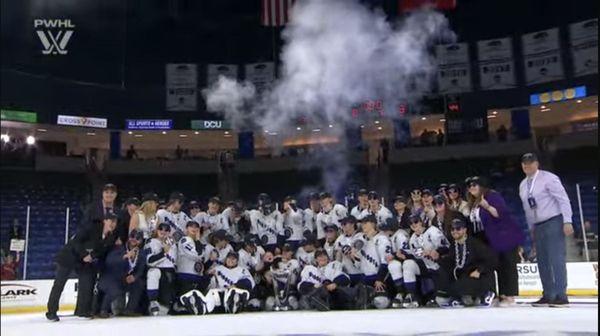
(424,118)
(379,128)
(196,132)
(30,140)
(330,126)
(299,128)
(5,138)
(579,101)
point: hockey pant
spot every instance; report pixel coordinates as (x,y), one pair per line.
(413,268)
(188,282)
(160,285)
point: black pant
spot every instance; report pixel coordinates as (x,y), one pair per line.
(60,279)
(85,291)
(508,277)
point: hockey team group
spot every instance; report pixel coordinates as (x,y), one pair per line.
(274,257)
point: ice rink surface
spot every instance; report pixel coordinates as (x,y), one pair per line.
(579,319)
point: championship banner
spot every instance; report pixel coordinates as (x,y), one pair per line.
(584,47)
(582,279)
(182,87)
(215,70)
(496,64)
(541,53)
(454,73)
(261,75)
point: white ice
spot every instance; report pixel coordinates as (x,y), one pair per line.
(580,319)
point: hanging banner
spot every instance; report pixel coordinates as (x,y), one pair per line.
(260,74)
(181,87)
(584,47)
(215,70)
(496,64)
(541,53)
(149,124)
(454,74)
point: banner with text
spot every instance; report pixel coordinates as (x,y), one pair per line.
(31,295)
(215,70)
(260,74)
(210,125)
(81,121)
(584,47)
(541,54)
(496,64)
(582,279)
(454,72)
(182,87)
(148,124)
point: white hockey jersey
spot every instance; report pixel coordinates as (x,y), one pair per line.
(179,220)
(251,261)
(332,217)
(374,253)
(319,275)
(382,214)
(431,239)
(400,241)
(330,249)
(291,266)
(359,213)
(188,254)
(227,277)
(266,226)
(310,219)
(294,222)
(155,256)
(222,253)
(345,243)
(305,258)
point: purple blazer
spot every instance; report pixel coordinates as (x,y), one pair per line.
(503,233)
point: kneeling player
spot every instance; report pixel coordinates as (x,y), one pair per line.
(161,256)
(283,277)
(326,286)
(399,239)
(469,270)
(192,257)
(230,290)
(426,245)
(372,251)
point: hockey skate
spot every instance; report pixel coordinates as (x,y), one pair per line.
(409,302)
(362,296)
(235,300)
(488,299)
(154,308)
(188,300)
(398,301)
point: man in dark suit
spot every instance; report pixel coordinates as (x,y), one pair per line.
(82,253)
(95,212)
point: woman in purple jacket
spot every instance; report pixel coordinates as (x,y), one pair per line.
(490,215)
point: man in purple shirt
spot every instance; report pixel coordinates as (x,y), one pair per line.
(549,216)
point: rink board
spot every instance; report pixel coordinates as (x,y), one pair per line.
(32,295)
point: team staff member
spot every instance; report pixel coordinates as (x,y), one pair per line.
(82,253)
(490,212)
(94,213)
(549,216)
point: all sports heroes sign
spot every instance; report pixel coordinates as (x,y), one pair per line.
(149,124)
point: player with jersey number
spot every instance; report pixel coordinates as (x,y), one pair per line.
(426,246)
(331,214)
(293,223)
(325,286)
(343,249)
(266,222)
(372,251)
(229,292)
(161,256)
(173,215)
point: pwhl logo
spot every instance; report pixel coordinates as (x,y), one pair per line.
(55,36)
(16,292)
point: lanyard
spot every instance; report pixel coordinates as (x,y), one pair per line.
(533,183)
